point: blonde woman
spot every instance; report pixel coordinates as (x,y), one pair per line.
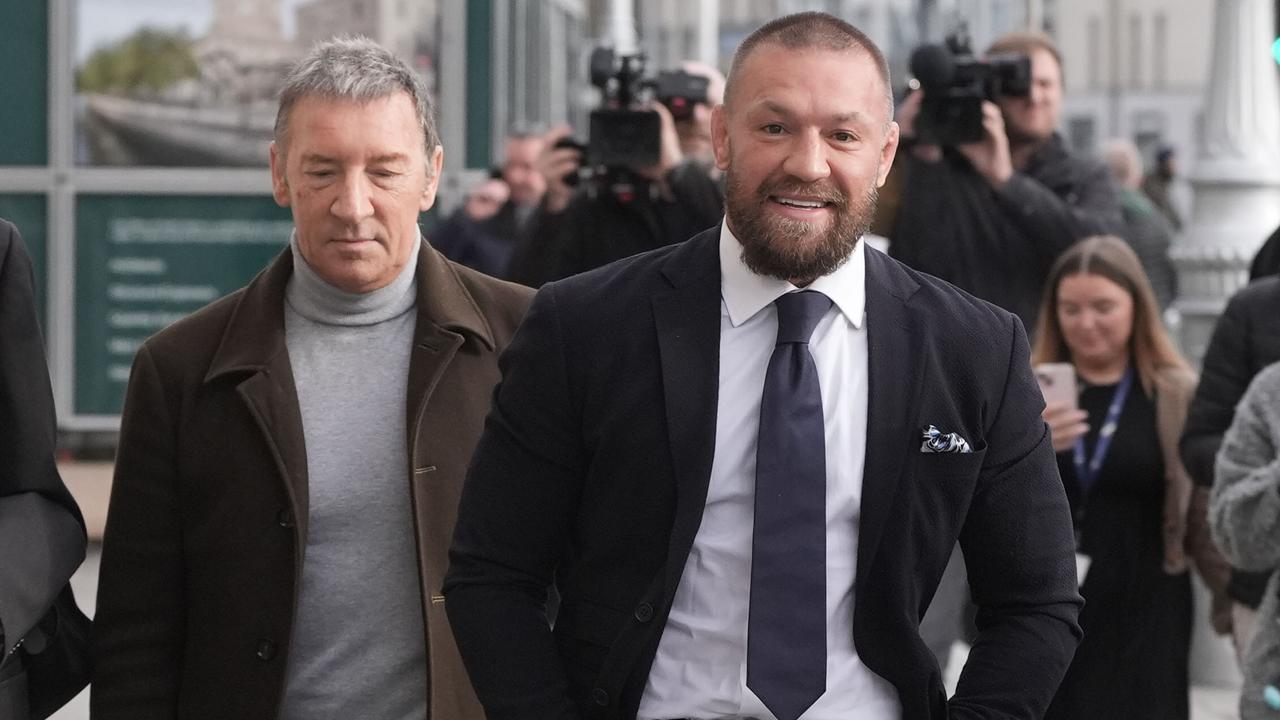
(1129,494)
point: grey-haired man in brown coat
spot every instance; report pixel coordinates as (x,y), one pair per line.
(291,456)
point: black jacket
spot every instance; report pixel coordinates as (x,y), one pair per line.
(42,536)
(595,231)
(1245,340)
(595,463)
(1000,244)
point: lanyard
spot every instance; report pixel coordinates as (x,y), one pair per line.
(1087,474)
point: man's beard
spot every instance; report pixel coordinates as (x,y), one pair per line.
(779,247)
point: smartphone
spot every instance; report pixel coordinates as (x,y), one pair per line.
(1057,383)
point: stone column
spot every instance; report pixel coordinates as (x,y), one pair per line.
(1236,175)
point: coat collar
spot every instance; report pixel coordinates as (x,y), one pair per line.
(254,337)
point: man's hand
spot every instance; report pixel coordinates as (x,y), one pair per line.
(669,154)
(486,199)
(990,156)
(908,111)
(1066,425)
(555,164)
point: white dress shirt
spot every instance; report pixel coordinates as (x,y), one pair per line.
(701,666)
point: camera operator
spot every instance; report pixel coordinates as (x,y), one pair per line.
(497,212)
(992,215)
(630,208)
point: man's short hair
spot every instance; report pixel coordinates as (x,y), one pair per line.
(359,69)
(811,30)
(1027,43)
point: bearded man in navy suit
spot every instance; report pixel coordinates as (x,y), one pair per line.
(743,461)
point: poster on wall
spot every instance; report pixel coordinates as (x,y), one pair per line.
(144,262)
(193,83)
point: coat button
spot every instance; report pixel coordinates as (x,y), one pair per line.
(644,612)
(600,697)
(266,649)
(285,519)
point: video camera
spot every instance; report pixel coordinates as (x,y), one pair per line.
(955,84)
(622,135)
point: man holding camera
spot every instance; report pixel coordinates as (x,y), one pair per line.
(629,207)
(482,233)
(991,216)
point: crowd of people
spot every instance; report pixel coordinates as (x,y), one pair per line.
(726,461)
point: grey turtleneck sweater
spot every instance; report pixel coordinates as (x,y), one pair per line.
(358,647)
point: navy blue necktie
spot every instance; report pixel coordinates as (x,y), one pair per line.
(787,627)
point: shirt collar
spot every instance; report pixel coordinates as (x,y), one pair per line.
(746,293)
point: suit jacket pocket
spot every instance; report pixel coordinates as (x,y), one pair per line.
(930,465)
(585,631)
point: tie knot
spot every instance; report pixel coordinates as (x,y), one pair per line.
(798,315)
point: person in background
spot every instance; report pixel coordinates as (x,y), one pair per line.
(582,227)
(1246,338)
(481,234)
(44,638)
(1146,229)
(1159,182)
(1129,493)
(993,215)
(291,456)
(464,239)
(1244,513)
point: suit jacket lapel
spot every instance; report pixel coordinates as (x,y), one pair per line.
(687,319)
(894,363)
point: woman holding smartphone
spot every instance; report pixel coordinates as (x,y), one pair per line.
(1129,494)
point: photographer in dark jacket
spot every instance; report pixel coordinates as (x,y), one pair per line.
(610,218)
(992,216)
(1245,340)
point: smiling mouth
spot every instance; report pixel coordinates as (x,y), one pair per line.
(800,204)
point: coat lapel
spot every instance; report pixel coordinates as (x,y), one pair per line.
(687,319)
(254,345)
(894,362)
(445,311)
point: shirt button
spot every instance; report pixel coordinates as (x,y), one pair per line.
(644,612)
(600,697)
(266,649)
(284,518)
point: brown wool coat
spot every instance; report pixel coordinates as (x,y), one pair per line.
(1186,531)
(208,516)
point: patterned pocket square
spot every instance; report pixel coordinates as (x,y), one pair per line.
(936,441)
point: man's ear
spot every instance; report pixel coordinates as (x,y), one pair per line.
(720,137)
(279,184)
(888,153)
(435,164)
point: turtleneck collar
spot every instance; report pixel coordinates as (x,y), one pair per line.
(312,297)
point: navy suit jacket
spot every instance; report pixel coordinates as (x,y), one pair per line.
(593,469)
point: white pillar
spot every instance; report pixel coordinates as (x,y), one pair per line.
(1236,175)
(620,26)
(708,50)
(1236,181)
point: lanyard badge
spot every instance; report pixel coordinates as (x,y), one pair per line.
(1087,470)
